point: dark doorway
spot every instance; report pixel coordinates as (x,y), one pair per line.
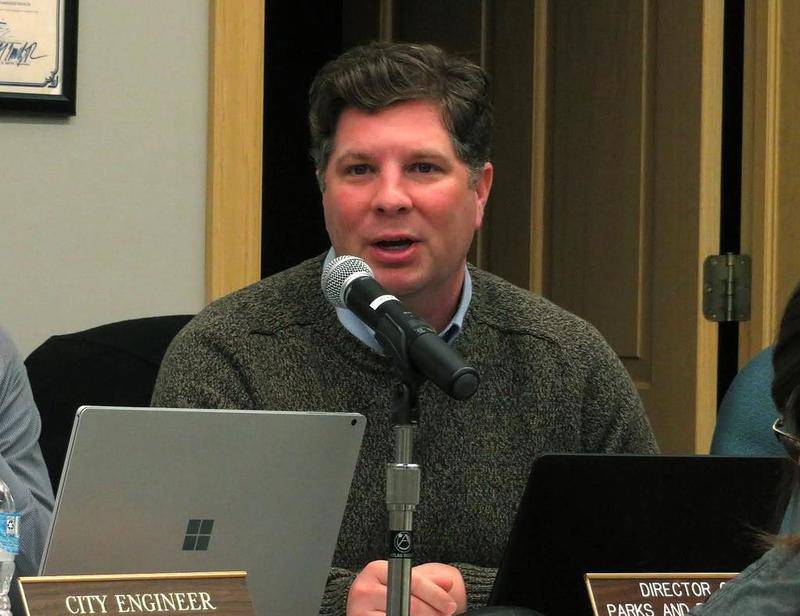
(300,36)
(731,189)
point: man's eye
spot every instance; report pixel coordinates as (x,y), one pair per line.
(424,167)
(358,169)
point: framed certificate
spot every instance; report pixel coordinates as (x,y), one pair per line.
(38,51)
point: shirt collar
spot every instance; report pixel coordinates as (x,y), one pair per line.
(366,335)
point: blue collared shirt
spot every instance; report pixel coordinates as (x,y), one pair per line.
(367,335)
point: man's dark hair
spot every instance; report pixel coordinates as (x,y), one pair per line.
(374,76)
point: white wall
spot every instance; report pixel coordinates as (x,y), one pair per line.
(102,214)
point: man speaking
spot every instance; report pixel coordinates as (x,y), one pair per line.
(401,138)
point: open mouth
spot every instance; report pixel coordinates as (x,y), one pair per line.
(398,244)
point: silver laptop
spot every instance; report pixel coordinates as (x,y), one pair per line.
(168,490)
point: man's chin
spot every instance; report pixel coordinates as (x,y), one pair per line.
(398,285)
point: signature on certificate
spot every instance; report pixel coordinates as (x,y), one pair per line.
(18,53)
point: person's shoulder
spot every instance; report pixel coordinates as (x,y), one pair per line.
(8,352)
(759,368)
(285,299)
(506,307)
(770,583)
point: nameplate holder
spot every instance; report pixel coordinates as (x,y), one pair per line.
(651,594)
(167,594)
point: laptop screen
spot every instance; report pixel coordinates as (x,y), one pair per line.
(173,490)
(585,513)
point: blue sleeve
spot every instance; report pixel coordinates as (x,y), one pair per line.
(21,463)
(744,421)
(770,585)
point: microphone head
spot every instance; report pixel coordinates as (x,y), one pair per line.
(339,273)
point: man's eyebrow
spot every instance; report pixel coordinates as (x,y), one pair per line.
(358,156)
(353,155)
(427,153)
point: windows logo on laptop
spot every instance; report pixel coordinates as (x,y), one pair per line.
(198,534)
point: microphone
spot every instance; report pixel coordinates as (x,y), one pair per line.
(348,282)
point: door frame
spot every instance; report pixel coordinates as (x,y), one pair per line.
(235,145)
(770,228)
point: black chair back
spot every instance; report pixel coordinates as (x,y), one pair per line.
(111,365)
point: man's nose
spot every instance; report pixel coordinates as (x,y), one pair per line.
(391,194)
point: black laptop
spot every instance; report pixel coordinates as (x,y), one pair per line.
(586,513)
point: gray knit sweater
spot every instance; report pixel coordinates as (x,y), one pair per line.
(549,382)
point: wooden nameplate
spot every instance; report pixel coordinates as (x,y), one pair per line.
(651,594)
(147,593)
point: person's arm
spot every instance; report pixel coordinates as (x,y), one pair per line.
(199,372)
(478,582)
(334,599)
(614,420)
(21,464)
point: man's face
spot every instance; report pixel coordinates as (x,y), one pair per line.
(397,196)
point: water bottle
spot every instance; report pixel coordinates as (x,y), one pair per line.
(9,545)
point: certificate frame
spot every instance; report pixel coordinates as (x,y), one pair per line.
(53,90)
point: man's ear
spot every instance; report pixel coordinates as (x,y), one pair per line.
(483,187)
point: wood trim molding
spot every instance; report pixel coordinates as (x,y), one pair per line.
(386,21)
(760,169)
(235,142)
(710,187)
(540,159)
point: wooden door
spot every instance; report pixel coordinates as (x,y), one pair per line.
(635,198)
